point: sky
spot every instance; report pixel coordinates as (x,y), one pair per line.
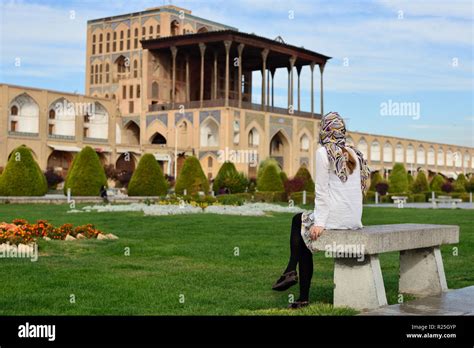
(399,68)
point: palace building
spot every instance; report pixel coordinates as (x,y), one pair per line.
(165,82)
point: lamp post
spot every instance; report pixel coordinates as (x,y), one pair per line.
(175,152)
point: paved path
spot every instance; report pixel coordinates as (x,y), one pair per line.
(452,302)
(463,205)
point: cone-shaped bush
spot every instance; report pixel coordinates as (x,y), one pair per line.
(376,178)
(86,175)
(398,179)
(410,181)
(421,183)
(461,183)
(192,178)
(22,175)
(148,178)
(269,161)
(229,178)
(470,185)
(270,180)
(304,174)
(437,183)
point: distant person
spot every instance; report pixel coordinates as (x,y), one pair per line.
(103,194)
(341,178)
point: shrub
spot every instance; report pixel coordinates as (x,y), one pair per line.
(265,163)
(294,185)
(283,177)
(461,183)
(382,188)
(270,197)
(53,178)
(270,180)
(421,183)
(437,182)
(369,197)
(418,197)
(447,187)
(147,179)
(231,199)
(376,178)
(398,179)
(304,174)
(192,178)
(22,175)
(470,185)
(410,181)
(297,197)
(86,175)
(229,178)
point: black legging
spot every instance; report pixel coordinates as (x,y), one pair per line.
(302,256)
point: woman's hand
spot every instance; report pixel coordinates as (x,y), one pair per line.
(315,232)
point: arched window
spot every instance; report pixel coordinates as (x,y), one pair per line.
(107,73)
(209,162)
(107,44)
(466,160)
(128,39)
(362,147)
(449,158)
(14,110)
(375,151)
(24,114)
(158,30)
(101,38)
(158,139)
(254,138)
(150,32)
(304,143)
(387,152)
(440,159)
(93,43)
(209,133)
(399,153)
(458,159)
(174,28)
(52,114)
(154,90)
(431,156)
(410,154)
(135,40)
(420,155)
(114,45)
(121,40)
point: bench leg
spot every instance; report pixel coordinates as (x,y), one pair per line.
(359,284)
(422,272)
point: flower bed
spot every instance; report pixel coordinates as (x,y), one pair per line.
(20,231)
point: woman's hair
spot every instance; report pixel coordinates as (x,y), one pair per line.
(351,162)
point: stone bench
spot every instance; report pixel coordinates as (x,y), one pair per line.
(358,281)
(445,200)
(400,201)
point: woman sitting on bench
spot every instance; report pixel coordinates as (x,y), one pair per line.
(341,178)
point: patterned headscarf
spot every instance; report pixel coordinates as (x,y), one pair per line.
(332,135)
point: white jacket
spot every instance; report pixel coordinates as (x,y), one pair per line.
(338,205)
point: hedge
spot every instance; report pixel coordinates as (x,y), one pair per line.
(269,161)
(192,178)
(22,176)
(461,183)
(304,174)
(437,182)
(270,180)
(421,183)
(229,178)
(270,197)
(86,175)
(148,178)
(398,179)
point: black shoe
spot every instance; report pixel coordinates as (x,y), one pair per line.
(298,304)
(286,281)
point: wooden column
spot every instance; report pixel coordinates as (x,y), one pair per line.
(188,98)
(264,68)
(292,64)
(202,48)
(298,70)
(227,45)
(273,86)
(312,88)
(268,87)
(289,86)
(215,75)
(174,52)
(240,49)
(321,69)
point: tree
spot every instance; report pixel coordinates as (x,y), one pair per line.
(398,180)
(437,183)
(461,183)
(265,163)
(148,178)
(304,174)
(192,178)
(270,180)
(470,185)
(376,178)
(421,183)
(86,175)
(22,176)
(229,178)
(411,181)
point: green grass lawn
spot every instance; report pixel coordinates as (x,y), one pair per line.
(193,256)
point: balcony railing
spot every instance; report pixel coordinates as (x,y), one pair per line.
(195,104)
